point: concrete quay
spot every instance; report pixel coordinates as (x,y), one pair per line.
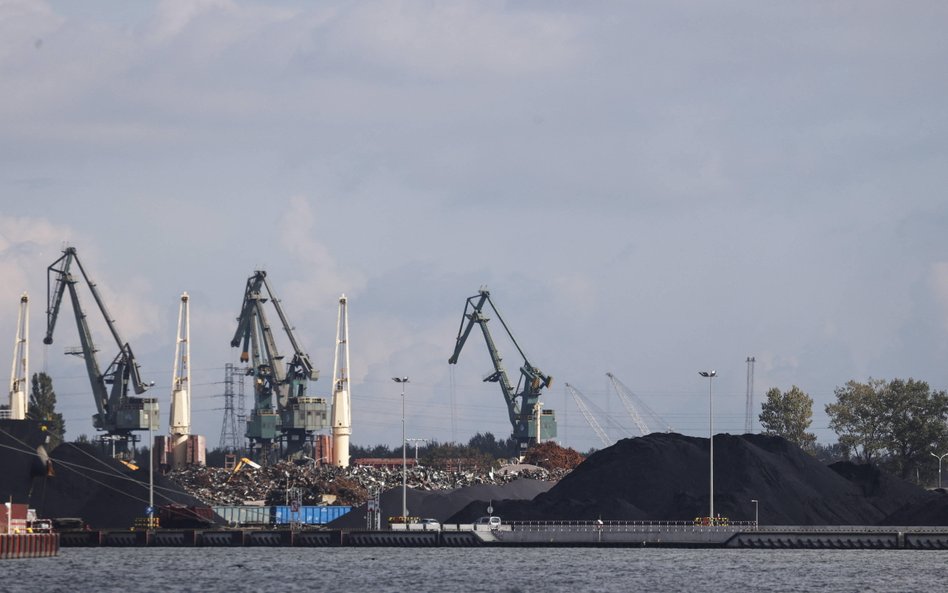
(539,534)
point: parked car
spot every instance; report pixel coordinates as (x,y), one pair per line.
(492,521)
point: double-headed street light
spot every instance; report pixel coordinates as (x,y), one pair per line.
(403,380)
(710,375)
(939,458)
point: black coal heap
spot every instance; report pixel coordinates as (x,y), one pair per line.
(665,476)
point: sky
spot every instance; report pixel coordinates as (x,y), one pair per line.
(649,189)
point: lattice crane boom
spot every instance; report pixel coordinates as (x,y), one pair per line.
(590,419)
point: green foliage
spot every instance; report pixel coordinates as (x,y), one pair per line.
(789,415)
(489,444)
(897,423)
(43,408)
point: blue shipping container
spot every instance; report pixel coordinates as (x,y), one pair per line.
(310,515)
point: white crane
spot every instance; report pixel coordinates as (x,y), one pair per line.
(581,404)
(179,424)
(341,413)
(632,403)
(20,374)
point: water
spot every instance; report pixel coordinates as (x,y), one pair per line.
(514,570)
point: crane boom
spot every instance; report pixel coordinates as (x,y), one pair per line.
(523,400)
(590,419)
(20,373)
(117,413)
(632,403)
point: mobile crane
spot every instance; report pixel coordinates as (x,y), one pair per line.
(530,424)
(117,413)
(295,417)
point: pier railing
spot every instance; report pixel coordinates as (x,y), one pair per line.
(629,526)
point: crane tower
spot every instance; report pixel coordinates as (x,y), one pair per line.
(341,412)
(749,411)
(179,424)
(20,374)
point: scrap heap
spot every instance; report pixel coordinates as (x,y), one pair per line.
(319,483)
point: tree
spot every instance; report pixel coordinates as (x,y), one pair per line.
(896,423)
(789,415)
(43,407)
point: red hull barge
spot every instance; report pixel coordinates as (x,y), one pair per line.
(29,545)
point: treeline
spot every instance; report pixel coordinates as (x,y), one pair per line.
(896,424)
(480,451)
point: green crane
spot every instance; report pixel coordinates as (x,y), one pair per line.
(523,402)
(297,416)
(117,413)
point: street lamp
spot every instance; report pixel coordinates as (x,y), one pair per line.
(756,522)
(710,375)
(939,458)
(403,380)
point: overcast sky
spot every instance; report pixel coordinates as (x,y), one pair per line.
(647,188)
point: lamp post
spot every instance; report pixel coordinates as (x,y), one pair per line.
(756,522)
(710,375)
(403,380)
(939,458)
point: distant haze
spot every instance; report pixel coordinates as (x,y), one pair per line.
(647,188)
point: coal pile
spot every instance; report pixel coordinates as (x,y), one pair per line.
(932,511)
(101,491)
(665,477)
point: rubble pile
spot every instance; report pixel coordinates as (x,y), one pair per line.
(349,485)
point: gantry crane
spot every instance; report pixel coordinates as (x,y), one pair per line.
(118,414)
(530,424)
(20,374)
(295,417)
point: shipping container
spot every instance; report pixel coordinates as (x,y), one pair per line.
(244,515)
(309,515)
(280,515)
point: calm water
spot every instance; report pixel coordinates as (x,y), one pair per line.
(402,570)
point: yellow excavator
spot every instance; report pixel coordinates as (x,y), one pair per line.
(244,461)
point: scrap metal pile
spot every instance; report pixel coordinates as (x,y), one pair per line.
(317,483)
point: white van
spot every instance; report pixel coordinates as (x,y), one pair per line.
(492,521)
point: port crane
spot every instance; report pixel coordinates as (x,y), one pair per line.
(20,373)
(587,414)
(179,421)
(530,424)
(282,412)
(117,413)
(633,404)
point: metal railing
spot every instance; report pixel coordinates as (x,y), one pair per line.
(628,526)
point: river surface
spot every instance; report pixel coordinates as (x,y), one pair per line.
(528,570)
